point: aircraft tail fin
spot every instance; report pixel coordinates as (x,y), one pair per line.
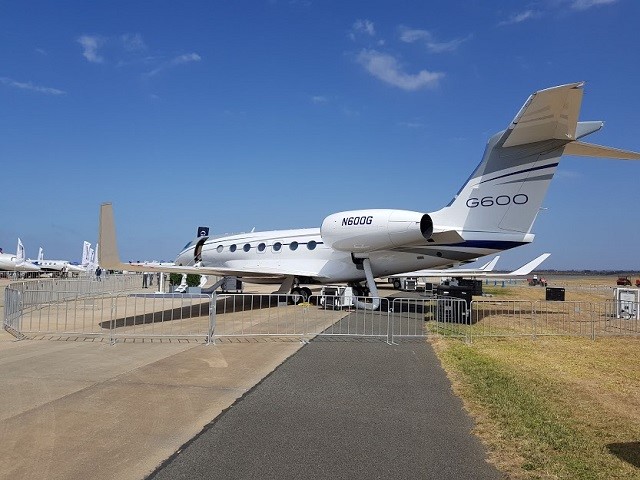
(20,253)
(108,256)
(504,194)
(86,249)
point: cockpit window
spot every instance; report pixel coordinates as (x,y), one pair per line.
(187,246)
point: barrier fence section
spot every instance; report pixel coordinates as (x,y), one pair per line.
(511,318)
(56,310)
(121,310)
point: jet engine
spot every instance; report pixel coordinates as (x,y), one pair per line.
(361,231)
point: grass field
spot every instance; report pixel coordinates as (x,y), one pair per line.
(557,407)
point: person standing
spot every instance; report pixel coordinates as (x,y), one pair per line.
(144,279)
(98,273)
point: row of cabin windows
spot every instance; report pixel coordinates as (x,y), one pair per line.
(311,245)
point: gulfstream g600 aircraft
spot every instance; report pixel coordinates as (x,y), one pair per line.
(493,211)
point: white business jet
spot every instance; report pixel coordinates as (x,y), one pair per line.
(17,262)
(66,266)
(493,211)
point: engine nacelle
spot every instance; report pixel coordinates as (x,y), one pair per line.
(361,231)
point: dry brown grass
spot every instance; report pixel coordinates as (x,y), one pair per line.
(588,388)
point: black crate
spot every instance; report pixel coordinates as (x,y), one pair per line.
(555,294)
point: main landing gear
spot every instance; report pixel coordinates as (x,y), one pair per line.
(299,295)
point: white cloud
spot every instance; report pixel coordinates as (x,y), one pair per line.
(450,46)
(585,4)
(174,62)
(319,99)
(520,17)
(386,68)
(412,124)
(132,42)
(30,86)
(410,35)
(90,45)
(362,27)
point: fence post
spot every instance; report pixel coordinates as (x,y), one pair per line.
(469,336)
(112,321)
(389,323)
(534,314)
(211,339)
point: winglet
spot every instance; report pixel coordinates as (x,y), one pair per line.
(529,267)
(488,267)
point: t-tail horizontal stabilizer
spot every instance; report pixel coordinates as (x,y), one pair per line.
(591,150)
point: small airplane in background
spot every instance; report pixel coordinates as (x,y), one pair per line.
(67,266)
(17,262)
(493,211)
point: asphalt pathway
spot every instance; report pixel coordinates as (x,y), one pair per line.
(341,409)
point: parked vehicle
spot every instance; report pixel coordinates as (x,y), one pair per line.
(535,281)
(624,281)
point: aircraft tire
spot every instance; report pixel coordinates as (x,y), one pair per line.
(298,296)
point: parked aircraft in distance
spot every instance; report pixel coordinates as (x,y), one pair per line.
(494,211)
(17,262)
(66,266)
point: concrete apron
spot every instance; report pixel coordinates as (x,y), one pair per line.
(85,409)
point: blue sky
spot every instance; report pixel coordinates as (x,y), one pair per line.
(275,114)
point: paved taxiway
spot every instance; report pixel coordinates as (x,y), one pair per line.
(342,409)
(78,409)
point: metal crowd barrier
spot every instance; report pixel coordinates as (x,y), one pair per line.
(512,318)
(121,310)
(35,310)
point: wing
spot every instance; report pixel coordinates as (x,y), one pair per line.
(262,271)
(484,271)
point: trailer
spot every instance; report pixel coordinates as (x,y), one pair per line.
(406,284)
(336,297)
